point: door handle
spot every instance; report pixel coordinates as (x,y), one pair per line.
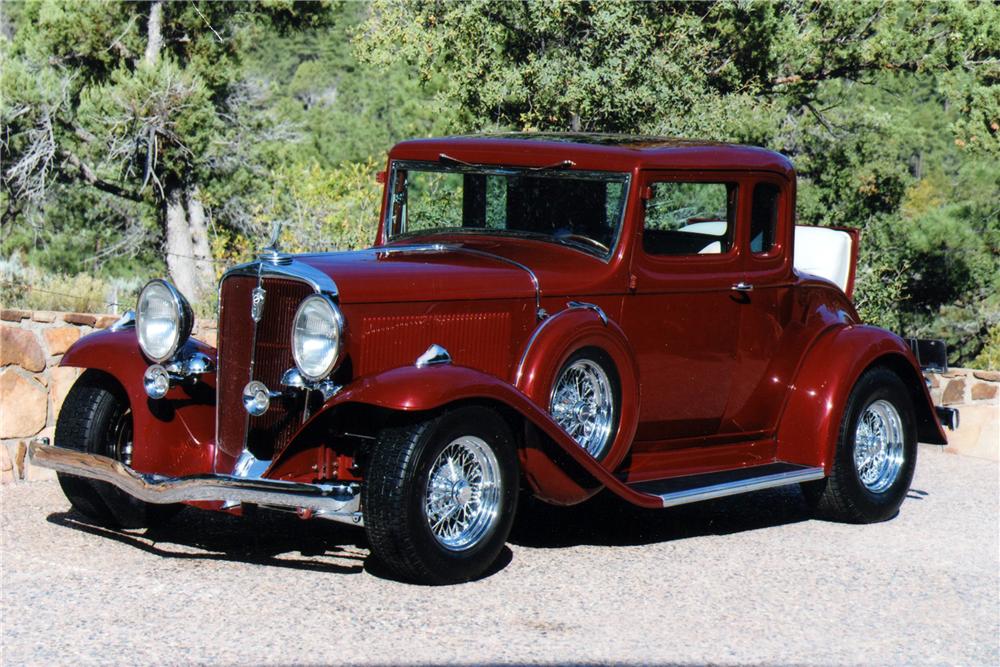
(743,287)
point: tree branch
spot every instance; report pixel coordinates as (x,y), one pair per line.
(91,177)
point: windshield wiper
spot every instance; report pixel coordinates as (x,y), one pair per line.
(444,157)
(565,164)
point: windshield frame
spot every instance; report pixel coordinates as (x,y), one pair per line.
(624,177)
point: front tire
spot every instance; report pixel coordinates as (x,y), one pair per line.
(876,453)
(96,418)
(440,495)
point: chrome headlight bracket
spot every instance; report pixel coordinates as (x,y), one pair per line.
(184,369)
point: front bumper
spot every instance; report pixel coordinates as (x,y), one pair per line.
(336,502)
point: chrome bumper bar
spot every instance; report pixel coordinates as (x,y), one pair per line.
(337,502)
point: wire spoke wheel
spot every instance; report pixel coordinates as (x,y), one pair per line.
(879,446)
(583,404)
(463,493)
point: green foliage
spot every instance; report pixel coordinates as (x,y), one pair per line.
(888,109)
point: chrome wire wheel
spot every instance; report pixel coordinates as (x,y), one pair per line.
(583,404)
(463,493)
(879,446)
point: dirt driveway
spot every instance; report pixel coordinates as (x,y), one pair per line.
(749,579)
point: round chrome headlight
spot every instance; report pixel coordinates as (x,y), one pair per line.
(163,320)
(316,336)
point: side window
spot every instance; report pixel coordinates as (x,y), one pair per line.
(764,217)
(689,218)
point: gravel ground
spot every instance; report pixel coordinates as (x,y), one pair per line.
(748,579)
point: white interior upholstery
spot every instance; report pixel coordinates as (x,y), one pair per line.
(823,252)
(712,227)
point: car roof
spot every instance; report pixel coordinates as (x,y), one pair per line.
(595,151)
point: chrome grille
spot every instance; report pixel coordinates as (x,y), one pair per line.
(256,352)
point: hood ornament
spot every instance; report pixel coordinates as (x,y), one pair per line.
(271,253)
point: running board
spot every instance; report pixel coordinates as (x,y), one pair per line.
(693,488)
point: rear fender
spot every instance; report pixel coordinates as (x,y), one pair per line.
(172,436)
(411,389)
(550,346)
(810,421)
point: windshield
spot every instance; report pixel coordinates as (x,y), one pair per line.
(582,209)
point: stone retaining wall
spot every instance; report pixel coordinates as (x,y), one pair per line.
(33,387)
(32,384)
(976,394)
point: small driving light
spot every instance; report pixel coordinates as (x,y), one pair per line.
(156,381)
(256,398)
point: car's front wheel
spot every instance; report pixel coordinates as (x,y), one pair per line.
(440,495)
(96,418)
(876,453)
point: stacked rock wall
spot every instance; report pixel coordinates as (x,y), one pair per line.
(976,394)
(32,384)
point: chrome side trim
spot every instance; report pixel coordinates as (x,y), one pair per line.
(539,311)
(433,356)
(531,342)
(572,305)
(589,306)
(296,270)
(741,486)
(414,248)
(337,502)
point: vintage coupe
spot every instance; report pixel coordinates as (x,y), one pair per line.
(543,314)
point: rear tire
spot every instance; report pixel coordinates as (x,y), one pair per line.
(440,495)
(876,454)
(96,418)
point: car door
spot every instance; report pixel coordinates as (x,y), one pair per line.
(680,313)
(772,323)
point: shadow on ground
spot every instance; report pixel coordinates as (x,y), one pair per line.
(278,539)
(606,520)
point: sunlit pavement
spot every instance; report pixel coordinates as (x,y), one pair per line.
(749,579)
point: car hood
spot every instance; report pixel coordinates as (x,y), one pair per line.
(426,273)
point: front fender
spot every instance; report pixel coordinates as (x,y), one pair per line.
(173,436)
(412,389)
(810,421)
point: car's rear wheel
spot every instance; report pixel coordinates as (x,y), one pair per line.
(876,453)
(440,495)
(96,418)
(585,401)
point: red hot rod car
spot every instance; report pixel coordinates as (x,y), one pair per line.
(552,314)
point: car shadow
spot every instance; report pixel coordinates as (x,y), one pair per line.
(273,539)
(606,520)
(279,539)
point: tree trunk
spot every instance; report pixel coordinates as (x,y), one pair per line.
(199,242)
(189,256)
(154,32)
(179,247)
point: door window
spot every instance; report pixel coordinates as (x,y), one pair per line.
(764,217)
(684,218)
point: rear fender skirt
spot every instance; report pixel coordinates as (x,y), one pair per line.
(173,436)
(412,389)
(810,421)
